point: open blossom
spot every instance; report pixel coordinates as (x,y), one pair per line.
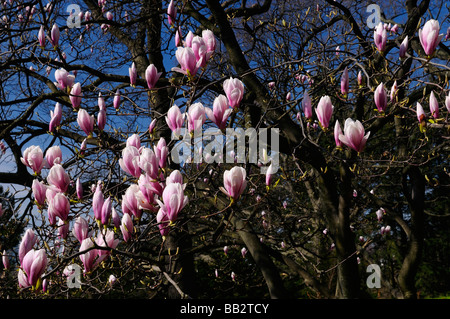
(353,135)
(235,182)
(53,156)
(33,158)
(58,206)
(187,60)
(58,178)
(324,111)
(429,36)
(199,47)
(210,42)
(380,37)
(148,162)
(234,90)
(107,240)
(173,200)
(220,112)
(130,161)
(32,268)
(175,119)
(152,76)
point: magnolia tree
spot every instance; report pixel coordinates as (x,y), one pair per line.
(223,148)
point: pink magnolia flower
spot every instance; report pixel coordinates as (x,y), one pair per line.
(33,158)
(324,111)
(175,177)
(188,39)
(101,119)
(58,178)
(196,117)
(133,74)
(210,42)
(41,37)
(55,117)
(39,189)
(163,222)
(29,239)
(115,218)
(63,229)
(130,204)
(130,161)
(62,78)
(5,260)
(89,257)
(175,119)
(220,112)
(187,60)
(85,121)
(234,181)
(306,105)
(161,151)
(174,200)
(148,189)
(403,48)
(234,90)
(106,240)
(53,156)
(32,268)
(380,37)
(429,36)
(171,13)
(152,76)
(380,98)
(75,95)
(434,105)
(353,135)
(134,140)
(420,114)
(269,174)
(148,162)
(59,206)
(200,51)
(337,132)
(97,201)
(116,101)
(54,36)
(126,227)
(344,82)
(360,79)
(80,229)
(394,91)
